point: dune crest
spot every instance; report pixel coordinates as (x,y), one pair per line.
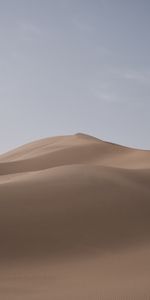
(74,200)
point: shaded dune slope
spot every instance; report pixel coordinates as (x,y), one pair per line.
(72,195)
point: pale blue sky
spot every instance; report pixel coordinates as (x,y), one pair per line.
(70,66)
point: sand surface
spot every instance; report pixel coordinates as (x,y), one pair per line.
(74,221)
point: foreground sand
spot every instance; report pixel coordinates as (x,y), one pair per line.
(74,221)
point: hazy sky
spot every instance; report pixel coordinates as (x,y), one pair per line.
(70,66)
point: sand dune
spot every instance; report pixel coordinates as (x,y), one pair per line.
(74,220)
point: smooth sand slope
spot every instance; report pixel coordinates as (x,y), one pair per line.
(74,221)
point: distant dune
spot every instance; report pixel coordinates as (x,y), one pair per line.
(74,221)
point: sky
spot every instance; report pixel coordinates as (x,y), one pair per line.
(69,66)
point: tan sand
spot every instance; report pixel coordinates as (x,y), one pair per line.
(74,221)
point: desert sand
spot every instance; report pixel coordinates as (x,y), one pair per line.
(74,221)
